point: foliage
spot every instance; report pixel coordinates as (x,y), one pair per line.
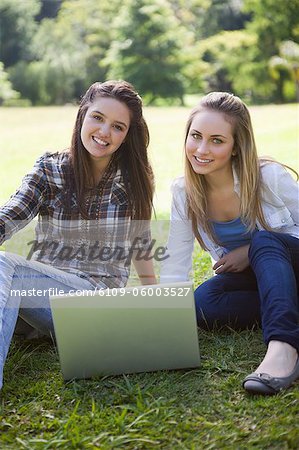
(44,83)
(17,29)
(224,15)
(273,22)
(220,72)
(57,74)
(6,91)
(66,54)
(146,49)
(205,18)
(286,61)
(89,27)
(53,50)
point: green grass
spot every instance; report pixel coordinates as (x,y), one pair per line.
(26,133)
(204,408)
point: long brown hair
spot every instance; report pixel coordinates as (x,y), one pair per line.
(131,156)
(245,161)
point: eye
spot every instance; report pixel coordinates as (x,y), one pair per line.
(217,141)
(97,117)
(118,127)
(196,136)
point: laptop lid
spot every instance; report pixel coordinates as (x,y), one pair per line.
(126,330)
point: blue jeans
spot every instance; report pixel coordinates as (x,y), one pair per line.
(267,292)
(25,287)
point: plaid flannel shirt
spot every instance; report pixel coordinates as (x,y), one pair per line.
(98,248)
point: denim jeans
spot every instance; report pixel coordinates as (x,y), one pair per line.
(267,292)
(24,288)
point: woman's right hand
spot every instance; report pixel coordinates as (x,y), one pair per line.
(235,261)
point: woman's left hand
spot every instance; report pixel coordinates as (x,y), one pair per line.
(234,261)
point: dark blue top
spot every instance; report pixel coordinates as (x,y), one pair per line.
(232,234)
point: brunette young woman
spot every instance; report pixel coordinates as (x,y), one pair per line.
(88,200)
(245,212)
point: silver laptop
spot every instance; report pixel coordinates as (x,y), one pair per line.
(126,330)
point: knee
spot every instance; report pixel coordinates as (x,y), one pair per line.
(9,262)
(10,258)
(5,259)
(260,239)
(266,241)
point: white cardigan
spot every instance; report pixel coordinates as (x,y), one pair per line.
(280,204)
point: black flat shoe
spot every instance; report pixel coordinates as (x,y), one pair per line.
(262,383)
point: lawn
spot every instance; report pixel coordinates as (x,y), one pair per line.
(204,408)
(26,133)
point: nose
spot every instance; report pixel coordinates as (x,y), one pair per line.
(105,129)
(202,147)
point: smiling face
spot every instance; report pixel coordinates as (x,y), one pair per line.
(104,129)
(209,143)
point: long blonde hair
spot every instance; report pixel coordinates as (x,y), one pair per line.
(245,162)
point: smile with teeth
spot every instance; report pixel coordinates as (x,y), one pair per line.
(202,160)
(100,141)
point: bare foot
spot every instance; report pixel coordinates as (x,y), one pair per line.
(279,361)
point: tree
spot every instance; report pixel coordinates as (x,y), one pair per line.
(88,23)
(6,90)
(17,28)
(67,51)
(207,17)
(287,62)
(224,15)
(203,22)
(146,50)
(272,22)
(222,64)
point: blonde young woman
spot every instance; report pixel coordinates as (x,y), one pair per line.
(245,212)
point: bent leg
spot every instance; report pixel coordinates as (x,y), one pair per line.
(27,284)
(228,299)
(274,258)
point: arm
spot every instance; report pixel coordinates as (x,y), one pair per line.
(178,264)
(145,270)
(283,186)
(289,192)
(24,205)
(141,248)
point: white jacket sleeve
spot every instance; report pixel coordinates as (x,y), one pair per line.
(180,243)
(288,190)
(280,190)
